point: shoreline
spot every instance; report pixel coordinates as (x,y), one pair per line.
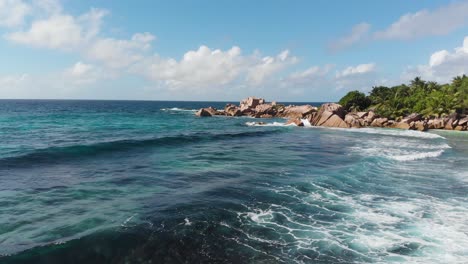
(334,115)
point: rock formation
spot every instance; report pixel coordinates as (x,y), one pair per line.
(333,115)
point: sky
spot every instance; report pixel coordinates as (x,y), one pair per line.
(225,50)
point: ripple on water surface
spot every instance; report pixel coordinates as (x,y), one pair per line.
(176,188)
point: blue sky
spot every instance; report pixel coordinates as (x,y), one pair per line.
(225,50)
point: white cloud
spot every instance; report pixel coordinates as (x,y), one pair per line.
(12,81)
(307,76)
(442,66)
(423,23)
(427,23)
(81,34)
(204,73)
(356,70)
(357,34)
(118,53)
(60,31)
(47,7)
(13,12)
(210,68)
(81,73)
(264,68)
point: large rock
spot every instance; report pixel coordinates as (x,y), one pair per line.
(265,109)
(325,112)
(463,121)
(300,111)
(437,123)
(421,125)
(379,122)
(402,125)
(369,118)
(251,102)
(390,123)
(412,118)
(232,110)
(334,108)
(362,114)
(204,112)
(353,120)
(321,118)
(335,121)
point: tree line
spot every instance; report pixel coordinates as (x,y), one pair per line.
(430,99)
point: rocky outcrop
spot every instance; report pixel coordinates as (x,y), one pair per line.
(209,111)
(369,118)
(251,102)
(379,122)
(402,125)
(258,108)
(334,115)
(300,111)
(411,118)
(353,120)
(232,110)
(420,125)
(330,115)
(335,121)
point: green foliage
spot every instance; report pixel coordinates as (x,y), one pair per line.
(427,98)
(355,100)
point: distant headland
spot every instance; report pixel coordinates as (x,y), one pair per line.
(419,106)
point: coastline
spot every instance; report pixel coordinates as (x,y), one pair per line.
(334,115)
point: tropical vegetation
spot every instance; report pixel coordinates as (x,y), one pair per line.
(419,96)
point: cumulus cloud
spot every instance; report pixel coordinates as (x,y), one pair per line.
(423,23)
(265,67)
(357,34)
(13,12)
(57,30)
(61,31)
(207,67)
(356,70)
(442,66)
(81,73)
(203,73)
(118,53)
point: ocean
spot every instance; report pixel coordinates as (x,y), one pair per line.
(149,182)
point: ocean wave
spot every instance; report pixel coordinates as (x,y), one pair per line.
(373,228)
(306,123)
(59,153)
(400,154)
(178,109)
(417,156)
(274,124)
(395,132)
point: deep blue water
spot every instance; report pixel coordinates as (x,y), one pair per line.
(141,182)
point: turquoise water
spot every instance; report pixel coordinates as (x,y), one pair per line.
(126,182)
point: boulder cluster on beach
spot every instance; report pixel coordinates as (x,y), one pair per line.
(333,115)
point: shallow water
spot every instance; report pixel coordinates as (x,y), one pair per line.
(115,182)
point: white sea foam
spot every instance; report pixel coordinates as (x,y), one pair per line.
(187,222)
(306,123)
(178,109)
(379,228)
(274,124)
(405,146)
(395,132)
(397,153)
(417,156)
